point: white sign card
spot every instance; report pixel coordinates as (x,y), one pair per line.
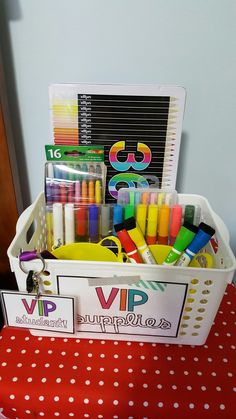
(48,313)
(144,308)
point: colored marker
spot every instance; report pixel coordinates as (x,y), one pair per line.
(151,236)
(77,190)
(136,235)
(185,235)
(98,195)
(175,223)
(189,214)
(84,191)
(137,198)
(105,220)
(128,211)
(69,212)
(58,236)
(163,226)
(205,232)
(141,217)
(145,198)
(153,198)
(127,243)
(160,199)
(81,222)
(49,227)
(117,216)
(93,223)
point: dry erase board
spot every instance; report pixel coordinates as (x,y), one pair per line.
(139,126)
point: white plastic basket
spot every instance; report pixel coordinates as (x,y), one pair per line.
(204,288)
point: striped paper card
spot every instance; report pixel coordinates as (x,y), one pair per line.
(138,125)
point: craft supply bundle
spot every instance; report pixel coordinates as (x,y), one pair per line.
(109,235)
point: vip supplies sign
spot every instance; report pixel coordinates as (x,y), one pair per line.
(116,306)
(47,313)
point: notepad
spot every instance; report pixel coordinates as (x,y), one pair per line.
(138,125)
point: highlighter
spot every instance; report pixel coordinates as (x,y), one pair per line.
(163,227)
(127,243)
(141,215)
(91,191)
(151,235)
(136,235)
(128,211)
(176,222)
(205,232)
(98,195)
(185,236)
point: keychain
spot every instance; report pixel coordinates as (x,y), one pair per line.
(33,277)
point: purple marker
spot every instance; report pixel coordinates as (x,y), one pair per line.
(93,223)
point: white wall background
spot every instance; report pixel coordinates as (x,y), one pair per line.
(185,42)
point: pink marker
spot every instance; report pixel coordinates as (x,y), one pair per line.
(153,198)
(176,222)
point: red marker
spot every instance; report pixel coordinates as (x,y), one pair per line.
(127,243)
(81,221)
(176,222)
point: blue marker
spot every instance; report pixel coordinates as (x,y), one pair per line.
(93,223)
(117,216)
(205,232)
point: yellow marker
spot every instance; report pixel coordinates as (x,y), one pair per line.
(84,192)
(152,217)
(91,191)
(163,228)
(141,215)
(49,226)
(138,239)
(98,197)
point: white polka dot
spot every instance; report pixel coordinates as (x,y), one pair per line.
(191,406)
(130,370)
(169,358)
(154,344)
(199,373)
(61,366)
(71,399)
(86,401)
(44,380)
(86,415)
(195,359)
(155,358)
(23,351)
(33,365)
(189,388)
(234,389)
(157,372)
(47,365)
(50,352)
(145,385)
(115,402)
(116,356)
(90,341)
(159,386)
(56,398)
(203,388)
(14,379)
(4,364)
(213,373)
(28,412)
(218,388)
(103,342)
(65,340)
(36,351)
(115,384)
(101,369)
(41,398)
(102,355)
(101,383)
(27,397)
(8,350)
(19,365)
(186,373)
(77,340)
(174,387)
(63,353)
(100,401)
(89,369)
(206,406)
(29,379)
(145,404)
(71,414)
(58,380)
(100,416)
(12,396)
(129,357)
(56,414)
(130,385)
(225,360)
(128,343)
(13,337)
(76,354)
(176,405)
(87,382)
(171,372)
(115,342)
(144,371)
(40,338)
(90,355)
(230,374)
(141,344)
(72,381)
(41,414)
(75,367)
(160,404)
(222,406)
(183,358)
(27,338)
(116,370)
(131,403)
(209,359)
(52,339)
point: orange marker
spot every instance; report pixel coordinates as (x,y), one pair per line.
(145,198)
(91,191)
(84,192)
(163,228)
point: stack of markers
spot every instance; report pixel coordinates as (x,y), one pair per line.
(157,213)
(74,183)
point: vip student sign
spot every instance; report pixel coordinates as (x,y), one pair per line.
(145,308)
(48,313)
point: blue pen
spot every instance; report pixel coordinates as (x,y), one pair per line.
(93,223)
(117,216)
(205,232)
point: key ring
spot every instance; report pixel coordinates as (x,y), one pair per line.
(30,255)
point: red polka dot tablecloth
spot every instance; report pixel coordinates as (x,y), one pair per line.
(65,378)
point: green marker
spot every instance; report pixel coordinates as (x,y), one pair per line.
(183,239)
(129,211)
(189,214)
